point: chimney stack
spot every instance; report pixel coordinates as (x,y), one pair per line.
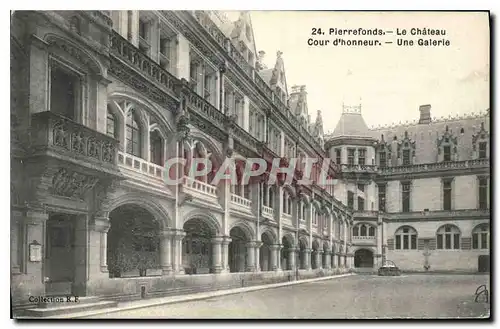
(425,114)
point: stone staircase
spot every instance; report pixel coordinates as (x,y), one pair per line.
(64,307)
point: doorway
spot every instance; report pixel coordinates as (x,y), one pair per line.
(483,264)
(363,258)
(59,255)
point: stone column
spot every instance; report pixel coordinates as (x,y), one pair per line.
(251,267)
(177,252)
(334,260)
(274,257)
(308,259)
(101,225)
(317,257)
(225,254)
(34,226)
(217,255)
(166,252)
(328,259)
(291,259)
(258,244)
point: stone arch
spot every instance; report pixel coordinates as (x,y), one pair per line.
(315,254)
(288,243)
(160,214)
(303,248)
(209,143)
(207,217)
(268,238)
(364,257)
(144,105)
(246,228)
(238,250)
(76,52)
(133,247)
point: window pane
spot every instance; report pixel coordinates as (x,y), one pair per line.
(484,241)
(475,240)
(405,242)
(355,231)
(371,231)
(439,241)
(447,241)
(413,242)
(398,241)
(456,241)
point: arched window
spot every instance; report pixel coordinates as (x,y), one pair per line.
(314,216)
(406,238)
(289,206)
(133,135)
(481,237)
(363,230)
(156,146)
(355,231)
(111,124)
(448,237)
(371,231)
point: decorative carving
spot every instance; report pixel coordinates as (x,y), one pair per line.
(72,184)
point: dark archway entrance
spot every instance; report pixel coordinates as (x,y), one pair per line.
(238,258)
(483,265)
(285,253)
(302,254)
(363,258)
(265,252)
(197,250)
(133,243)
(315,255)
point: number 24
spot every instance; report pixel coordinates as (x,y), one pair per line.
(316,31)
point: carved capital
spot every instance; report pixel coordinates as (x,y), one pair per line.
(100,224)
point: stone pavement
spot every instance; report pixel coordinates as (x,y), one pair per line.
(351,297)
(154,302)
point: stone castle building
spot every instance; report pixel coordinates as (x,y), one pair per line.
(100,100)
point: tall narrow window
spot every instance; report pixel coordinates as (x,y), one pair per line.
(208,87)
(382,159)
(166,53)
(483,193)
(350,200)
(355,231)
(194,75)
(361,204)
(350,156)
(371,231)
(448,237)
(338,156)
(63,92)
(406,187)
(144,40)
(363,230)
(156,148)
(446,153)
(133,135)
(482,150)
(406,238)
(447,195)
(406,158)
(111,124)
(481,237)
(361,156)
(381,197)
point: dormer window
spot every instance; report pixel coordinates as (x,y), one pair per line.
(361,156)
(447,147)
(406,150)
(446,153)
(483,150)
(406,158)
(480,143)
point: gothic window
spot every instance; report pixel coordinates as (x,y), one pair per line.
(64,91)
(448,237)
(111,124)
(447,194)
(350,200)
(483,193)
(480,143)
(355,231)
(381,197)
(361,204)
(447,146)
(362,156)
(371,231)
(133,135)
(338,156)
(156,148)
(350,156)
(406,238)
(406,150)
(481,237)
(406,196)
(382,159)
(314,216)
(363,230)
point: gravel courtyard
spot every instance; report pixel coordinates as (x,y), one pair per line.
(359,296)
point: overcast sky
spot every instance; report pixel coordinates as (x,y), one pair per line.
(391,81)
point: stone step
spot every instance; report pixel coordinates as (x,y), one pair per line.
(66,308)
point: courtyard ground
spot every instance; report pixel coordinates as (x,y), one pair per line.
(359,296)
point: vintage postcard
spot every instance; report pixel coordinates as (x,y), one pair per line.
(250,164)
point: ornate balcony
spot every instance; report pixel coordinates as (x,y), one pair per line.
(199,187)
(268,212)
(140,166)
(59,137)
(240,202)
